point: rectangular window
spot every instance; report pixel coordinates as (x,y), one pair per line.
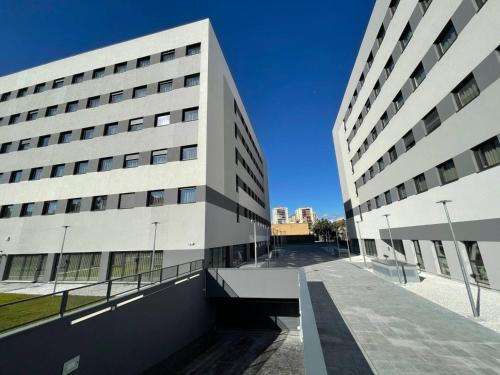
(189,152)
(39,88)
(98,73)
(401,191)
(167,55)
(369,61)
(476,262)
(432,121)
(369,205)
(131,161)
(51,111)
(361,80)
(376,88)
(446,38)
(5,97)
(22,92)
(15,176)
(370,172)
(384,120)
(143,62)
(32,115)
(441,256)
(58,83)
(368,105)
(65,137)
(165,86)
(49,208)
(110,129)
(447,172)
(488,153)
(126,200)
(388,198)
(74,205)
(87,133)
(105,164)
(43,141)
(81,167)
(405,37)
(162,119)
(370,248)
(377,201)
(156,198)
(24,144)
(7,211)
(14,119)
(99,203)
(36,173)
(77,78)
(393,5)
(159,157)
(193,49)
(425,4)
(418,254)
(6,147)
(57,170)
(393,155)
(192,80)
(93,102)
(389,66)
(135,125)
(374,134)
(27,209)
(190,114)
(480,3)
(116,97)
(466,91)
(187,195)
(381,164)
(418,75)
(139,92)
(409,140)
(120,68)
(380,35)
(398,101)
(420,183)
(72,106)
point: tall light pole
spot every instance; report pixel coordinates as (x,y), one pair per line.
(155,223)
(460,260)
(362,244)
(393,248)
(268,241)
(347,241)
(255,242)
(60,256)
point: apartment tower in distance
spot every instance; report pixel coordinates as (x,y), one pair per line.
(141,145)
(419,123)
(280,215)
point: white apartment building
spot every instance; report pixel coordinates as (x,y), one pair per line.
(115,152)
(280,215)
(305,215)
(418,124)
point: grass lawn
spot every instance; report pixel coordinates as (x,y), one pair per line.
(40,308)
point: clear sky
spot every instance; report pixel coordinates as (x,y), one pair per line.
(290,59)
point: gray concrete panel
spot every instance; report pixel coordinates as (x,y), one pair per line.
(430,58)
(132,64)
(400,147)
(103,266)
(432,178)
(410,188)
(180,52)
(396,53)
(177,83)
(419,131)
(407,89)
(171,196)
(112,201)
(145,158)
(38,208)
(464,163)
(176,116)
(99,131)
(382,78)
(3,267)
(394,194)
(127,94)
(69,169)
(174,154)
(61,206)
(86,204)
(155,58)
(118,161)
(387,20)
(123,126)
(415,17)
(50,267)
(151,88)
(148,121)
(446,107)
(93,165)
(391,111)
(47,170)
(141,199)
(488,71)
(463,15)
(375,49)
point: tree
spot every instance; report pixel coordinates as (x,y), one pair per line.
(324,227)
(340,228)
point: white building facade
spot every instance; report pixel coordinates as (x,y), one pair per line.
(419,124)
(137,145)
(280,215)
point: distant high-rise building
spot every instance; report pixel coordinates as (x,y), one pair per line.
(305,215)
(280,215)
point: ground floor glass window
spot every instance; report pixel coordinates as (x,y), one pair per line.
(476,262)
(79,267)
(128,263)
(26,267)
(441,256)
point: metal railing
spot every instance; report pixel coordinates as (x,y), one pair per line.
(18,313)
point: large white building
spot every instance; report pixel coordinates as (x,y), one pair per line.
(107,143)
(419,123)
(280,215)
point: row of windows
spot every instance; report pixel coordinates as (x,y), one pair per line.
(250,192)
(103,165)
(99,203)
(237,134)
(239,159)
(249,214)
(95,101)
(238,113)
(98,73)
(486,154)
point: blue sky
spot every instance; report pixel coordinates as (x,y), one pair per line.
(291,61)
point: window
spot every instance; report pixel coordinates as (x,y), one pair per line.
(49,208)
(466,91)
(167,55)
(14,119)
(418,253)
(6,147)
(165,86)
(398,101)
(376,88)
(51,111)
(32,115)
(447,172)
(159,157)
(393,5)
(72,106)
(110,129)
(99,203)
(480,3)
(401,191)
(139,92)
(189,152)
(476,262)
(74,205)
(374,134)
(135,125)
(163,119)
(24,144)
(190,114)
(405,37)
(105,164)
(39,88)
(370,248)
(36,173)
(126,200)
(384,120)
(369,61)
(120,68)
(131,161)
(425,4)
(488,153)
(98,73)
(370,172)
(369,205)
(156,198)
(143,62)
(393,155)
(420,183)
(446,38)
(381,164)
(43,141)
(81,167)
(22,92)
(192,80)
(361,80)
(368,105)
(15,176)
(418,75)
(58,83)
(87,133)
(57,171)
(65,137)
(77,78)
(389,66)
(363,179)
(380,35)
(27,209)
(441,256)
(116,97)
(93,102)
(377,201)
(193,49)
(7,211)
(187,195)
(431,121)
(409,140)
(5,96)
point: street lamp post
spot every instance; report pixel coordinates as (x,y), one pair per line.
(348,247)
(60,256)
(460,259)
(155,223)
(255,242)
(268,253)
(362,245)
(393,248)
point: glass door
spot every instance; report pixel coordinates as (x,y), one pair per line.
(476,262)
(418,254)
(441,256)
